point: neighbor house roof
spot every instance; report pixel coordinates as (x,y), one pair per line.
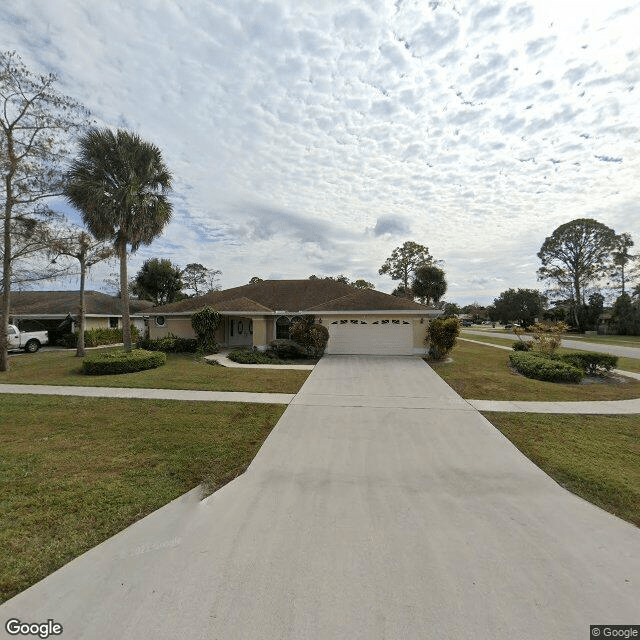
(31,303)
(293,296)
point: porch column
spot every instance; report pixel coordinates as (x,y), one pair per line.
(260,333)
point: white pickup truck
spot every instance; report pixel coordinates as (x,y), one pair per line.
(30,341)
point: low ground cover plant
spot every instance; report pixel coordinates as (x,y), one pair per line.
(542,367)
(110,362)
(521,345)
(169,344)
(246,356)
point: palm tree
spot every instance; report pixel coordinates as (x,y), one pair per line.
(429,283)
(120,185)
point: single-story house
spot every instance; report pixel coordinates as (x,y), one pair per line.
(360,321)
(34,310)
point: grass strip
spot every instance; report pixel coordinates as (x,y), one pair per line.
(595,457)
(182,371)
(481,372)
(75,471)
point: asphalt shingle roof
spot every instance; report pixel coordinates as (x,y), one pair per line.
(293,296)
(63,302)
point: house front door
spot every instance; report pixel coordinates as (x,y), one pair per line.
(240,332)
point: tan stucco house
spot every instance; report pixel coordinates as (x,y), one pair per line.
(360,321)
(32,310)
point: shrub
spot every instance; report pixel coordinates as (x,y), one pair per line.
(245,356)
(169,344)
(521,345)
(98,337)
(541,367)
(110,362)
(312,337)
(548,336)
(285,349)
(590,362)
(441,336)
(204,323)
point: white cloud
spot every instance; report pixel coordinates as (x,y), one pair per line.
(309,137)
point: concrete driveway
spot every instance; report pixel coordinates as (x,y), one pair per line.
(381,506)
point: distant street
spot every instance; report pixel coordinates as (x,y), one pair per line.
(614,350)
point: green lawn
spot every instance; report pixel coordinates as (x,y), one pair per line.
(623,341)
(595,457)
(626,364)
(75,471)
(481,373)
(627,341)
(182,371)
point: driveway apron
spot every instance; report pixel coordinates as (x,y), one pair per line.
(381,506)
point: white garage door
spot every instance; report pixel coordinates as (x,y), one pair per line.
(379,337)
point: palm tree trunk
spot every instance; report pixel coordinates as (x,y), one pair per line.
(80,346)
(124,294)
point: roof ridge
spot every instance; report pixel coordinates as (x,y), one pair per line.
(322,304)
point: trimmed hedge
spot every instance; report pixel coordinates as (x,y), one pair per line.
(244,356)
(97,337)
(310,336)
(590,362)
(541,367)
(169,344)
(110,362)
(521,345)
(285,349)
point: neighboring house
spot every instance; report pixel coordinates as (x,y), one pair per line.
(32,310)
(360,321)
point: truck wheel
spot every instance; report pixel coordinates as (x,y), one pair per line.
(32,346)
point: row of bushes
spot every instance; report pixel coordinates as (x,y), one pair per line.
(541,367)
(246,356)
(568,367)
(112,362)
(97,337)
(169,344)
(591,363)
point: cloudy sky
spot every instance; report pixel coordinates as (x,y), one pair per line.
(314,137)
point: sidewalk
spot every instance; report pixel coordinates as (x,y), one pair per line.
(148,394)
(360,517)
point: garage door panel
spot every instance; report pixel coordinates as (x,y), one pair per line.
(374,339)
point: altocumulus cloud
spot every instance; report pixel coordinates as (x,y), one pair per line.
(305,140)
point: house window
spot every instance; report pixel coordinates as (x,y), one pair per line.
(250,327)
(113,323)
(282,328)
(160,321)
